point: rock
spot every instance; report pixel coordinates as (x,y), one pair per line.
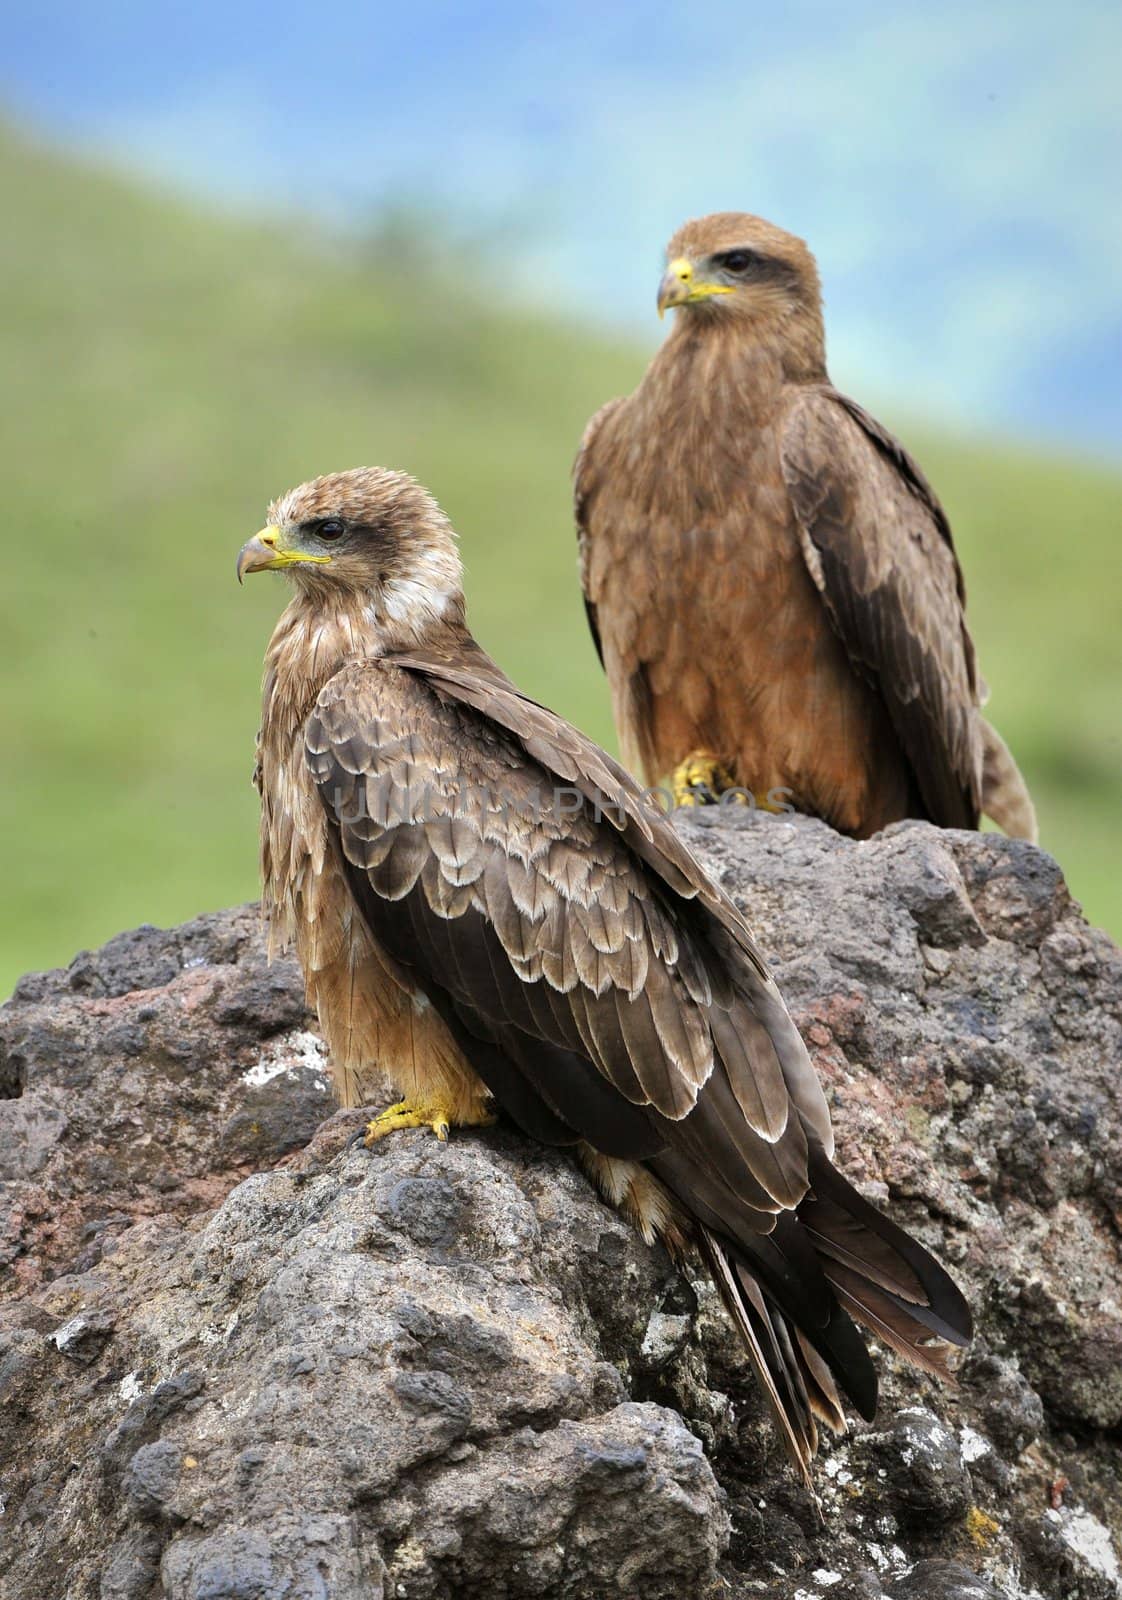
(81,1339)
(1011,1409)
(919,1460)
(625,1503)
(402,1342)
(942,1580)
(145,1081)
(242,1356)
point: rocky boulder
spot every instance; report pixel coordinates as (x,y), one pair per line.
(241,1356)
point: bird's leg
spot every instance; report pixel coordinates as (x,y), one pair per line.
(440,1118)
(700,780)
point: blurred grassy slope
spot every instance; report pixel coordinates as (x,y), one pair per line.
(167,371)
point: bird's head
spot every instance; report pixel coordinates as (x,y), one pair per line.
(369,535)
(734,267)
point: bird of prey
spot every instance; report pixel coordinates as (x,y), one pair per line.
(488,910)
(769,577)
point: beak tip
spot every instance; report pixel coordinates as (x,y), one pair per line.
(252,557)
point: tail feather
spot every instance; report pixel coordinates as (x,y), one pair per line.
(852,1236)
(790,1272)
(888,1321)
(796,1293)
(839,1236)
(1005,795)
(825,1401)
(750,1315)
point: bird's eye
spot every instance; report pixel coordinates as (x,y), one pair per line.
(331,528)
(737,260)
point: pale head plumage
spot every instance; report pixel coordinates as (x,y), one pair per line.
(377,537)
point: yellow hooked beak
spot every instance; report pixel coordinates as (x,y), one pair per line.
(267,552)
(682,287)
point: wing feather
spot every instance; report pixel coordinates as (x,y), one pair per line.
(586,480)
(396,874)
(596,908)
(878,546)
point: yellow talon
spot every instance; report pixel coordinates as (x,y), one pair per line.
(406,1114)
(700,780)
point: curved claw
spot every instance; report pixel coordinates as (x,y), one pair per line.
(409,1114)
(405,1114)
(700,780)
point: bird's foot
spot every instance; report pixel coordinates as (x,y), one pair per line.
(410,1114)
(700,780)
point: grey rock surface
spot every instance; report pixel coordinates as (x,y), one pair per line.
(243,1357)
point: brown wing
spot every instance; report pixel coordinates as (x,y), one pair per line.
(731,956)
(539,923)
(584,476)
(606,991)
(879,548)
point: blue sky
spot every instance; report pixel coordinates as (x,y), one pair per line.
(954,166)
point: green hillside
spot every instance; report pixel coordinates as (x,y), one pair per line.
(167,371)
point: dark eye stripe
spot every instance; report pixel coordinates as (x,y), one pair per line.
(758,268)
(737,260)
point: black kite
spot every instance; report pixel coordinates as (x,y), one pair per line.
(769,577)
(487,910)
